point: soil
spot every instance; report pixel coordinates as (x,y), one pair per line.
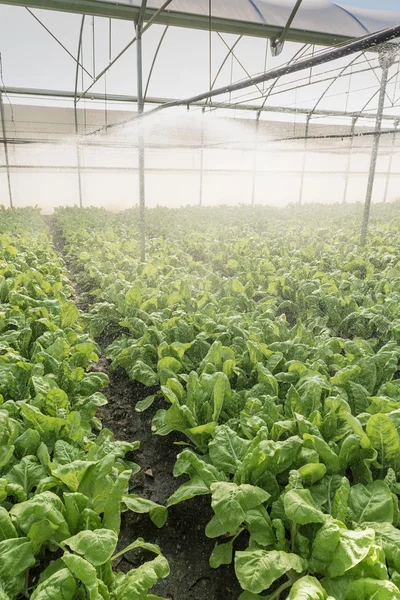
(182,539)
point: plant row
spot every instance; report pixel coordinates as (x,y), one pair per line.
(63,479)
(274,340)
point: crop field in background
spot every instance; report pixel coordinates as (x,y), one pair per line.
(254,356)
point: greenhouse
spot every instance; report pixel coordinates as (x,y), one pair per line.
(199,300)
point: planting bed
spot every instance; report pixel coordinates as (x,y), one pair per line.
(254,355)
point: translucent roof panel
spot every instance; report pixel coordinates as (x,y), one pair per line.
(313,15)
(316,21)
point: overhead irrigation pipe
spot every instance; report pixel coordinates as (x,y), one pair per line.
(358,45)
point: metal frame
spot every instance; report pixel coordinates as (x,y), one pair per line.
(346,181)
(254,173)
(386,60)
(394,135)
(3,128)
(62,94)
(178,19)
(140,104)
(308,119)
(78,151)
(277,44)
(210,23)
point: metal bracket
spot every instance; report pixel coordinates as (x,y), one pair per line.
(278,43)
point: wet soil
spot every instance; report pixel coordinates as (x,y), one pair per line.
(182,539)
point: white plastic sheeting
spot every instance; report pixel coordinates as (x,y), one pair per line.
(321,16)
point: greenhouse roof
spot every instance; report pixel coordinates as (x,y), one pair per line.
(316,21)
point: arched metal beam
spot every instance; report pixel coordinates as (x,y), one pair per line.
(298,54)
(154,61)
(331,83)
(237,60)
(376,93)
(230,52)
(145,28)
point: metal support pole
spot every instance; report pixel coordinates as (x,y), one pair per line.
(78,157)
(139,27)
(386,60)
(304,159)
(346,182)
(78,150)
(396,124)
(253,183)
(201,159)
(3,126)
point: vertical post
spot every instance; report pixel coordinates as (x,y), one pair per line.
(347,174)
(78,155)
(3,127)
(201,158)
(253,184)
(139,26)
(396,124)
(78,150)
(386,59)
(304,158)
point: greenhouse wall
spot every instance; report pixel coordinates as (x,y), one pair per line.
(189,158)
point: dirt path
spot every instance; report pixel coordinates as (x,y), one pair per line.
(182,539)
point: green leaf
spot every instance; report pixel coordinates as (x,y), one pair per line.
(72,474)
(388,537)
(230,502)
(341,501)
(221,554)
(82,570)
(227,449)
(372,502)
(75,504)
(189,489)
(59,586)
(307,588)
(139,581)
(300,507)
(69,313)
(158,514)
(260,526)
(328,456)
(7,529)
(312,472)
(257,570)
(16,557)
(221,389)
(95,546)
(335,549)
(112,506)
(139,543)
(384,438)
(143,405)
(27,473)
(41,507)
(372,589)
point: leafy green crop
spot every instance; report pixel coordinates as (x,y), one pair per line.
(274,340)
(63,479)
